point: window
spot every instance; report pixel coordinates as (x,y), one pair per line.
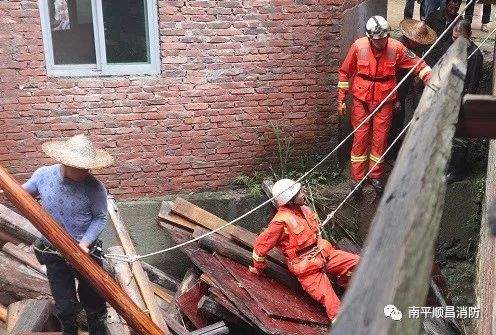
(100,37)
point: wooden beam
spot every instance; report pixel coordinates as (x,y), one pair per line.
(81,261)
(164,294)
(166,214)
(28,315)
(477,117)
(5,237)
(396,264)
(17,226)
(138,272)
(200,216)
(24,257)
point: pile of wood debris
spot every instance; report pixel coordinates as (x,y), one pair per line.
(218,295)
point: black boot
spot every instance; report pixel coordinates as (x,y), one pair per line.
(377,185)
(97,323)
(359,190)
(457,170)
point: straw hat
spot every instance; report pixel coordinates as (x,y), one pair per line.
(418,31)
(78,152)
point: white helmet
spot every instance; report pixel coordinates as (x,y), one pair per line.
(377,27)
(284,190)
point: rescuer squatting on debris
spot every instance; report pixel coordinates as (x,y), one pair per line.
(295,230)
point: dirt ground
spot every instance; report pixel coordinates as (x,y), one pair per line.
(395,15)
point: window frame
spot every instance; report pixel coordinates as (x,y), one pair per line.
(101,68)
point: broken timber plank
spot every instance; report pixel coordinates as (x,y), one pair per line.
(188,303)
(166,214)
(24,257)
(28,315)
(219,244)
(165,295)
(138,272)
(82,262)
(477,117)
(218,328)
(397,262)
(159,277)
(223,301)
(191,277)
(125,277)
(209,307)
(19,282)
(17,226)
(200,216)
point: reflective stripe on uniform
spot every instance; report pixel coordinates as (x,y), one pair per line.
(375,158)
(257,258)
(424,71)
(357,159)
(344,85)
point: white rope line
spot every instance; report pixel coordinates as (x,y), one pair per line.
(331,215)
(482,43)
(133,258)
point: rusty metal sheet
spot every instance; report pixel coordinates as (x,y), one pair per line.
(188,303)
(239,296)
(275,299)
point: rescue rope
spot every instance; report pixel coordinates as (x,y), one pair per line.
(482,43)
(134,258)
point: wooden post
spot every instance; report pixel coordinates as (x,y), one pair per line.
(397,261)
(485,286)
(124,276)
(82,262)
(28,315)
(138,272)
(17,226)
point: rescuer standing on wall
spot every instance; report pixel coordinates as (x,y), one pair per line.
(295,230)
(371,65)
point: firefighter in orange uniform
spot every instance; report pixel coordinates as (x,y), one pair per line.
(295,230)
(371,64)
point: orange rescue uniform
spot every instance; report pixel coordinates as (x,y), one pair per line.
(373,73)
(294,230)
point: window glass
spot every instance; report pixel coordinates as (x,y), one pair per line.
(126,26)
(71,24)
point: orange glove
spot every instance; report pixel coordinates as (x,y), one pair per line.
(341,108)
(427,77)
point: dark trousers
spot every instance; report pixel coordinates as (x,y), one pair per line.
(486,13)
(62,279)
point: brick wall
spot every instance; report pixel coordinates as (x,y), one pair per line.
(229,69)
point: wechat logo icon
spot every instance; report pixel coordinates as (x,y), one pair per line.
(392,312)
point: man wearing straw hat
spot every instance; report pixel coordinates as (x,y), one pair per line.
(417,37)
(78,202)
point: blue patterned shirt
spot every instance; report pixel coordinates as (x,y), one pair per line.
(79,207)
